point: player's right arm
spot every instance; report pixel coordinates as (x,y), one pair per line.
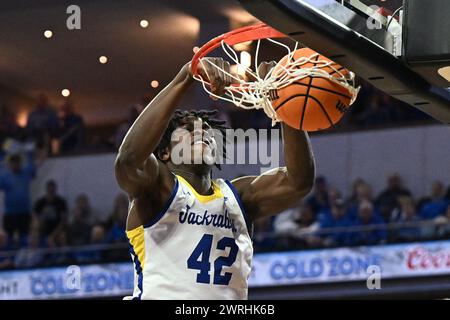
(147,180)
(138,172)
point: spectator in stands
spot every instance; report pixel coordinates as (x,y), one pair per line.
(354,196)
(116,227)
(8,124)
(79,228)
(443,224)
(334,194)
(319,199)
(285,225)
(372,226)
(72,129)
(30,255)
(15,182)
(263,239)
(447,194)
(6,261)
(43,123)
(437,204)
(133,113)
(335,217)
(406,214)
(92,253)
(117,223)
(387,199)
(51,211)
(60,256)
(362,192)
(307,226)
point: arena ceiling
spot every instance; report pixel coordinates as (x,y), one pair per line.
(31,64)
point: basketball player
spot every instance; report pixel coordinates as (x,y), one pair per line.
(189,234)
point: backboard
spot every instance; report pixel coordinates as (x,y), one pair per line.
(367,37)
(375,20)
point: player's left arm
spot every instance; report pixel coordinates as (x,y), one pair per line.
(280,188)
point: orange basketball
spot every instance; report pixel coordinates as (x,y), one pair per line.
(312,103)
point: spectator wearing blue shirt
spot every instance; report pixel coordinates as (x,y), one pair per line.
(407,214)
(362,192)
(117,223)
(116,229)
(374,231)
(43,123)
(335,217)
(437,204)
(15,182)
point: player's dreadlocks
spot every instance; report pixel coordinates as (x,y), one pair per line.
(180,118)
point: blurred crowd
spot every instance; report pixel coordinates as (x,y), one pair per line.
(48,232)
(326,219)
(61,130)
(49,223)
(70,235)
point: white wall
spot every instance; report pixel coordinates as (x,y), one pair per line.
(93,175)
(420,155)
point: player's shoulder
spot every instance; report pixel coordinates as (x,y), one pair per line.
(241,183)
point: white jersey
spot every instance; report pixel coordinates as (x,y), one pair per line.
(198,247)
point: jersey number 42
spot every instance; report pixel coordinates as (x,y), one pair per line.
(199,260)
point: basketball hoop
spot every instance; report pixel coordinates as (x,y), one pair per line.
(255,94)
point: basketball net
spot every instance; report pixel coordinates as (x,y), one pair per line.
(255,94)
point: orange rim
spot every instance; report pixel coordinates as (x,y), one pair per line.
(248,33)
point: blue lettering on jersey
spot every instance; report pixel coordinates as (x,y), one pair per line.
(216,220)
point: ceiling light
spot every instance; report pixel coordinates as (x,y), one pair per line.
(48,34)
(144,23)
(65,92)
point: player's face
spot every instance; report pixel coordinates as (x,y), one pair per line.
(194,141)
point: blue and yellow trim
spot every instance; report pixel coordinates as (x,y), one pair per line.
(137,249)
(217,193)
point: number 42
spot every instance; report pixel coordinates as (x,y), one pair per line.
(203,249)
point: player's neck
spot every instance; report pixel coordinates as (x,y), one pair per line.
(200,181)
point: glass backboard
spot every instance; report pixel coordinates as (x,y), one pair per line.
(376,20)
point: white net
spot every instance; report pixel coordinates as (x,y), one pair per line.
(255,94)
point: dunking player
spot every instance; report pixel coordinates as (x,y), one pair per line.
(189,234)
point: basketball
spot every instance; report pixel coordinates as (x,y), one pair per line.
(312,103)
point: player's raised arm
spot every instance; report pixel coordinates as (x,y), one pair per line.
(281,188)
(137,169)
